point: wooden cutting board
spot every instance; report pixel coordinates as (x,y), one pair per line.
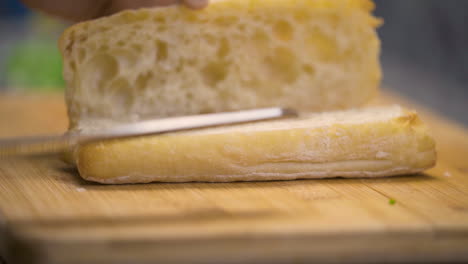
(50,215)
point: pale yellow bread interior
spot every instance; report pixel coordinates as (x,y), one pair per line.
(312,55)
(371,142)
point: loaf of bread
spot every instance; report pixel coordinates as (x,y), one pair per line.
(312,55)
(355,143)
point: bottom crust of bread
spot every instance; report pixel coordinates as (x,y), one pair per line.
(359,143)
(261,176)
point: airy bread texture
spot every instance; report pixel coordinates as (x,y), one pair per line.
(235,54)
(355,143)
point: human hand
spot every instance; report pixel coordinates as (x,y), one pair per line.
(89,9)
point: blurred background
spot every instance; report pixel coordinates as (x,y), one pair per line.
(29,58)
(425,51)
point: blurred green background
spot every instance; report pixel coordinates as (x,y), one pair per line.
(34,65)
(29,58)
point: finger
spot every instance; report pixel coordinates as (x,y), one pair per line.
(119,5)
(196,4)
(68,9)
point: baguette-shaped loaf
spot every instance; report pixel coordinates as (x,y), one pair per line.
(355,143)
(235,54)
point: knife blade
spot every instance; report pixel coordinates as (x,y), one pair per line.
(26,146)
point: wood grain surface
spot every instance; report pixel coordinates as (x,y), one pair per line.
(50,215)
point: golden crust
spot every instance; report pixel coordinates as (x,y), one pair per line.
(359,143)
